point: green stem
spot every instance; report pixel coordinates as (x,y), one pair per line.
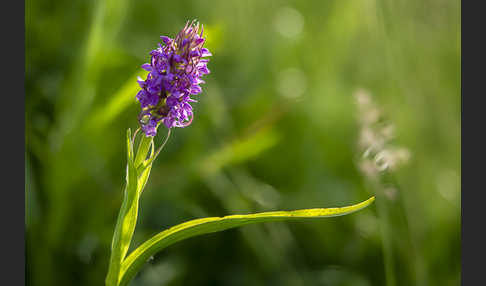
(127,217)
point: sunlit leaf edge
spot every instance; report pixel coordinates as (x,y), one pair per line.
(195,227)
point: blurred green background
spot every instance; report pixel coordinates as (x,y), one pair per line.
(276,127)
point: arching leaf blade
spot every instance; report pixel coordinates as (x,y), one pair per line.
(196,227)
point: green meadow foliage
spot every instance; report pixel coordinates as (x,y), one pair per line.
(278,128)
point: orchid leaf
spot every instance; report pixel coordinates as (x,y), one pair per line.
(127,218)
(196,227)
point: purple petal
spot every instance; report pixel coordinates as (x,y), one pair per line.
(166,40)
(147,67)
(141,82)
(204,69)
(199,41)
(196,89)
(205,53)
(194,53)
(177,58)
(168,122)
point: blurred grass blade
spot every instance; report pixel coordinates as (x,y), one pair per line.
(118,103)
(213,224)
(238,151)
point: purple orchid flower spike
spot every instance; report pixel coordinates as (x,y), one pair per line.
(175,72)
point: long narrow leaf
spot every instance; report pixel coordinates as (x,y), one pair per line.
(127,219)
(143,149)
(213,224)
